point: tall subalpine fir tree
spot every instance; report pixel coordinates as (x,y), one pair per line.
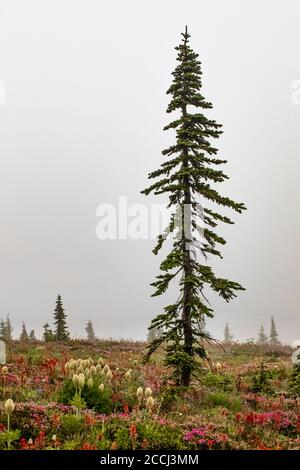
(61,331)
(187,176)
(273,333)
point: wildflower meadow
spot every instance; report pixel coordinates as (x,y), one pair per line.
(100,396)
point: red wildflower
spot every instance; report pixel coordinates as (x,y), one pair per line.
(133,431)
(144,444)
(24,444)
(38,443)
(88,446)
(40,440)
(89,420)
(55,419)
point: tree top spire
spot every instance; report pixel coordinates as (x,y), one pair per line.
(186,35)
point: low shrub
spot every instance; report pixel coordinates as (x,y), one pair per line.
(294,382)
(147,434)
(101,402)
(223,381)
(260,381)
(213,399)
(71,425)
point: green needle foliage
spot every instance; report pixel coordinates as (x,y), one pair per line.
(186,176)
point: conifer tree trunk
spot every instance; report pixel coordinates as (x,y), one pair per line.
(186,317)
(187,291)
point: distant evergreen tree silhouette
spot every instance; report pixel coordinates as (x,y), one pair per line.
(262,337)
(32,336)
(61,331)
(48,333)
(273,333)
(24,335)
(2,328)
(6,329)
(90,331)
(154,333)
(228,337)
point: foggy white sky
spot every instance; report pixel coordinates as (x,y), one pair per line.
(82,124)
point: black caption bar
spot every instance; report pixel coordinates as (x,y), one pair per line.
(161,459)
